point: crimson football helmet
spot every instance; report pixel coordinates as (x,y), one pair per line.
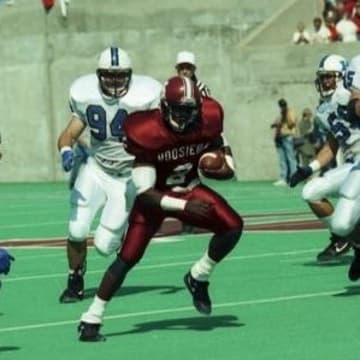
(180,103)
(330,74)
(114,72)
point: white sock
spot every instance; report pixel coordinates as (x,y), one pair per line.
(202,269)
(95,312)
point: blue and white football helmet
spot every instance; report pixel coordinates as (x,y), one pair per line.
(114,72)
(352,70)
(330,74)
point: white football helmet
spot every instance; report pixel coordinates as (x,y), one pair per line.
(330,73)
(353,68)
(114,72)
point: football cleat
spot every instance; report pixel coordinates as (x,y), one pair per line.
(354,270)
(75,289)
(337,247)
(90,332)
(200,294)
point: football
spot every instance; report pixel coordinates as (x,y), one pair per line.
(214,166)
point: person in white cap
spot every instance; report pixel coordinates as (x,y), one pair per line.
(186,66)
(101,103)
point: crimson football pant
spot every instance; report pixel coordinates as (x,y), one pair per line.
(144,222)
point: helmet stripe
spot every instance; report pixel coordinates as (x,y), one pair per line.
(322,61)
(188,88)
(114,56)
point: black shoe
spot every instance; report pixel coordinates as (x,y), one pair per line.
(199,292)
(337,247)
(354,270)
(187,229)
(75,289)
(90,332)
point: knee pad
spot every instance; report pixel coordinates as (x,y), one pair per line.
(107,241)
(78,231)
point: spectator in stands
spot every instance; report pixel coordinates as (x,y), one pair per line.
(285,130)
(356,18)
(345,7)
(326,6)
(345,27)
(186,66)
(331,26)
(305,129)
(301,35)
(321,33)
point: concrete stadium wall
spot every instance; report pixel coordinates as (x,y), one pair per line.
(41,55)
(261,76)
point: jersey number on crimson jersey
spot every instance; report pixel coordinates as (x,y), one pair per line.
(96,116)
(178,176)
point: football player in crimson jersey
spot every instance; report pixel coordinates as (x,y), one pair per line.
(167,145)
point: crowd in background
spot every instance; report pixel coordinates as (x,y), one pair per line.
(297,141)
(340,21)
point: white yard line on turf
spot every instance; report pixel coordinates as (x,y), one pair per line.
(177,310)
(172,264)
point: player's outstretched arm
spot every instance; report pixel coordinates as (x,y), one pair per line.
(325,155)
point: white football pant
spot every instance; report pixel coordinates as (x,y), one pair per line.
(344,182)
(94,189)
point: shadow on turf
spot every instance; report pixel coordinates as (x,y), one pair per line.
(130,290)
(195,323)
(349,291)
(8,348)
(340,261)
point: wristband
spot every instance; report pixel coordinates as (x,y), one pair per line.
(172,204)
(315,165)
(65,148)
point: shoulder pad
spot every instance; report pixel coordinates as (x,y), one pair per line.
(144,129)
(144,93)
(84,88)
